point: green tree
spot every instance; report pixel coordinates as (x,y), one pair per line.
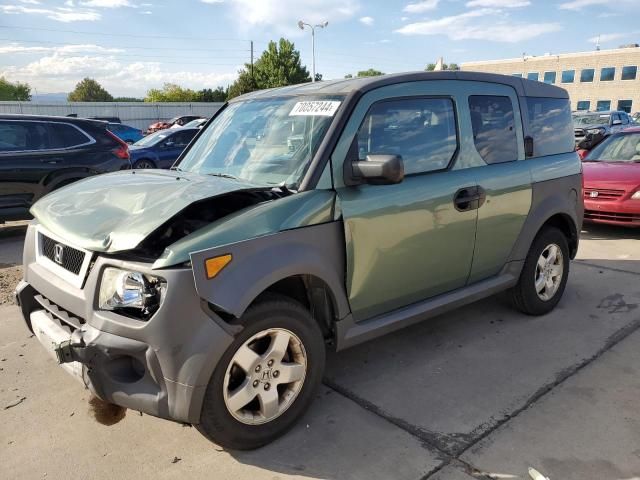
(453,66)
(432,66)
(217,95)
(372,72)
(278,66)
(127,99)
(17,91)
(171,92)
(348,75)
(88,90)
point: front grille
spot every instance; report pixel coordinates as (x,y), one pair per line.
(602,194)
(67,257)
(62,316)
(612,216)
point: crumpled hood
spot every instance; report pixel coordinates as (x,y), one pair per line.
(116,211)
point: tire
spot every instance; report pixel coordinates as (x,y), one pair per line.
(144,163)
(526,296)
(255,425)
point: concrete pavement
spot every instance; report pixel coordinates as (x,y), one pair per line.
(482,392)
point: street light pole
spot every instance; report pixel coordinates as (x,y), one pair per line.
(301,26)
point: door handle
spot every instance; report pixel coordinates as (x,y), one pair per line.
(469,198)
(51,161)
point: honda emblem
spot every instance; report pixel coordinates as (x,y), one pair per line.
(593,194)
(58,253)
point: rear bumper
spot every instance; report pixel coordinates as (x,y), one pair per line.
(160,367)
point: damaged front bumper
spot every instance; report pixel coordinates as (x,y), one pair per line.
(161,366)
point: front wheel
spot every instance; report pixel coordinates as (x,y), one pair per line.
(544,274)
(267,377)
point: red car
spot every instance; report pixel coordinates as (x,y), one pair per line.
(180,121)
(612,180)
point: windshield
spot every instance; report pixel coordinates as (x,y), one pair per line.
(591,120)
(267,142)
(152,139)
(195,123)
(619,148)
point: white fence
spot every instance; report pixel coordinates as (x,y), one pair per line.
(136,114)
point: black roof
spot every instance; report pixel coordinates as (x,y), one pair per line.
(522,86)
(53,118)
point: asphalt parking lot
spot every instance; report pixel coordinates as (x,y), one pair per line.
(482,392)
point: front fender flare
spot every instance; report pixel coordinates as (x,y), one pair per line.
(258,263)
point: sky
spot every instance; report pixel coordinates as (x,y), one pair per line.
(130,46)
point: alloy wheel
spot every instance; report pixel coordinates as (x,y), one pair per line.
(548,272)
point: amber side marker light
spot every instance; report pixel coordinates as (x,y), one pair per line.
(215,265)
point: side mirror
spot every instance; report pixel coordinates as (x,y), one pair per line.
(616,122)
(379,169)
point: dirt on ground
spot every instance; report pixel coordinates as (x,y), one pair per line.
(9,278)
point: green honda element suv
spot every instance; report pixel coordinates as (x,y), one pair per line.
(299,219)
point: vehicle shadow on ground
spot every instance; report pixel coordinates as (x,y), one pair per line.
(592,231)
(450,380)
(13,229)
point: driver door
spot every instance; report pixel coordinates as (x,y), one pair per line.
(410,241)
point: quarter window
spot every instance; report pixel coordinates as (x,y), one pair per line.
(494,132)
(568,76)
(421,130)
(550,77)
(65,136)
(583,105)
(23,136)
(603,105)
(550,125)
(607,74)
(629,73)
(586,75)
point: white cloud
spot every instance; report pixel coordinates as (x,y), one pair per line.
(56,73)
(146,12)
(106,3)
(610,37)
(368,21)
(30,2)
(498,3)
(420,7)
(483,24)
(283,15)
(212,1)
(60,14)
(580,4)
(61,50)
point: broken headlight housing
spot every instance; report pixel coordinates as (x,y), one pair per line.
(131,293)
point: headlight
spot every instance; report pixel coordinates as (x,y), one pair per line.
(132,293)
(595,131)
(636,196)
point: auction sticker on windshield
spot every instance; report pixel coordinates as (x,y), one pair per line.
(323,108)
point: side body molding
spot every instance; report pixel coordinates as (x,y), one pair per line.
(260,262)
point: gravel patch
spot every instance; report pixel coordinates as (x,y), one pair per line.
(9,278)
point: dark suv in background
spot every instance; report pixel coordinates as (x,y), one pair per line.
(39,154)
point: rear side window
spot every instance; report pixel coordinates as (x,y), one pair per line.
(23,136)
(421,130)
(550,125)
(494,131)
(64,135)
(182,139)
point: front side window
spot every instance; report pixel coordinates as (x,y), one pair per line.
(629,73)
(494,131)
(421,130)
(607,74)
(603,105)
(532,76)
(583,105)
(550,125)
(586,75)
(64,135)
(568,76)
(182,139)
(550,77)
(23,136)
(269,141)
(625,105)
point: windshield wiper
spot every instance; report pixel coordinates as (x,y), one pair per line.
(223,175)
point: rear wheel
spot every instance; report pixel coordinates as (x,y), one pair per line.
(544,274)
(144,163)
(267,377)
